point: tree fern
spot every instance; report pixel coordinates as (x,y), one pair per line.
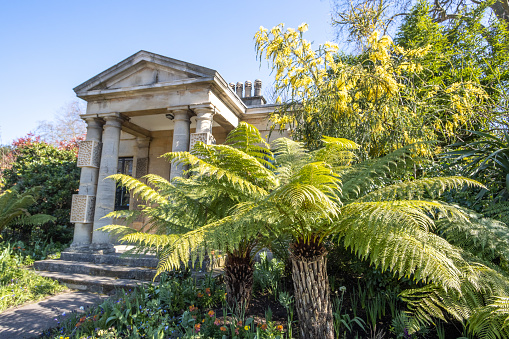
(235,200)
(13,209)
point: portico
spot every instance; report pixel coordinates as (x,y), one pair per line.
(139,109)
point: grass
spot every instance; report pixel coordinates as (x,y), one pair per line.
(18,284)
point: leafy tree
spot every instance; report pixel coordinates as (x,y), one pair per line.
(360,17)
(67,126)
(486,160)
(54,170)
(459,54)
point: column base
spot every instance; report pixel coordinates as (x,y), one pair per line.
(79,247)
(102,248)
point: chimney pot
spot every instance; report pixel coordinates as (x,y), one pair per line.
(258,88)
(239,89)
(247,89)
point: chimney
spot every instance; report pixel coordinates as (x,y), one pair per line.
(239,89)
(247,89)
(232,86)
(257,88)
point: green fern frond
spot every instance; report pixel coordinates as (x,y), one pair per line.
(340,144)
(202,168)
(362,178)
(287,152)
(491,321)
(14,205)
(483,237)
(394,235)
(418,189)
(337,152)
(498,210)
(248,139)
(139,189)
(36,219)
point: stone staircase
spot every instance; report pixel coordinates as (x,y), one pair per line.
(101,273)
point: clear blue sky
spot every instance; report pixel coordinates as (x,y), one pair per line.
(49,47)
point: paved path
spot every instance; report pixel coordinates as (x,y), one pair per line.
(30,320)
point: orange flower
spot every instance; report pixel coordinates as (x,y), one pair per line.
(217,322)
(82,319)
(192,308)
(197,327)
(264,327)
(211,313)
(239,323)
(224,329)
(207,290)
(200,295)
(279,327)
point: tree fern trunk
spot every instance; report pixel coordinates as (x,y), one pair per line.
(312,295)
(238,277)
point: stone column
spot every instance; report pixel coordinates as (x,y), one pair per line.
(142,150)
(105,202)
(180,138)
(140,166)
(83,204)
(204,121)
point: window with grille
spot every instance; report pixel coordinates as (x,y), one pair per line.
(125,166)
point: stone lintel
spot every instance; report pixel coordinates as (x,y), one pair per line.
(135,130)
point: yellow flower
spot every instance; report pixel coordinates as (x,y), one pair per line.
(303,27)
(246,328)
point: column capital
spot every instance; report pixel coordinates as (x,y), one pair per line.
(179,113)
(204,108)
(94,122)
(114,120)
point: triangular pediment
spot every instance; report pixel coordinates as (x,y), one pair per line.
(143,69)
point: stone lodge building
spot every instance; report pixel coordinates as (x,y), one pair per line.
(139,109)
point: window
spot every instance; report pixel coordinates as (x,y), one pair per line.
(125,166)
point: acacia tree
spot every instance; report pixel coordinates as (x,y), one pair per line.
(370,99)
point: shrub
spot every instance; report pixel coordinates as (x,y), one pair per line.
(54,169)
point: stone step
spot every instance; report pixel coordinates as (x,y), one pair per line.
(92,269)
(118,259)
(84,282)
